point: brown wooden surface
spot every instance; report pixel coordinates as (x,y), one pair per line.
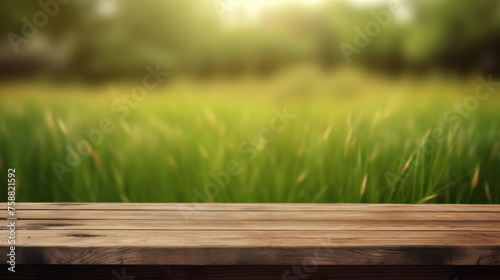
(255,234)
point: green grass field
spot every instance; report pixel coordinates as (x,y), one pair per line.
(353,139)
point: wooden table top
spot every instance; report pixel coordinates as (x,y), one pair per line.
(254,234)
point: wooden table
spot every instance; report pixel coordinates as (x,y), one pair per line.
(256,241)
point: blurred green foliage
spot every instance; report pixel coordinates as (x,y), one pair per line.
(349,131)
(189,36)
(351,127)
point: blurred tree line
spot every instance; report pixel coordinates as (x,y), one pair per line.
(103,39)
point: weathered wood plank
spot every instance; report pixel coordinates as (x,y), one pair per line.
(241,225)
(296,215)
(275,239)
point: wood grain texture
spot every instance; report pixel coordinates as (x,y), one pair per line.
(255,234)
